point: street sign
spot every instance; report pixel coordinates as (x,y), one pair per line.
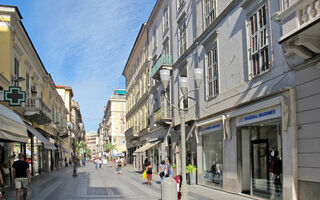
(14,96)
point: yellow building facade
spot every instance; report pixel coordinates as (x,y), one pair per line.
(43,113)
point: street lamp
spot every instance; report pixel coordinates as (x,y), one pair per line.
(183,82)
(75,139)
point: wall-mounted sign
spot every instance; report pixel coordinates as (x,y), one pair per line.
(262,115)
(211,128)
(14,96)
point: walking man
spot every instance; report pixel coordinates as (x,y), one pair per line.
(21,173)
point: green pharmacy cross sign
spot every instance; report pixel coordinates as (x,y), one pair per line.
(14,96)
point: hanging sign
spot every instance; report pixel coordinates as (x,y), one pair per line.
(262,115)
(14,96)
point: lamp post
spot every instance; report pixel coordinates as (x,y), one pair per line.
(75,139)
(183,82)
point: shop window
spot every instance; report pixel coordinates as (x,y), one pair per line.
(212,158)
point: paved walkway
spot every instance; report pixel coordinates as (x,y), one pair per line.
(105,183)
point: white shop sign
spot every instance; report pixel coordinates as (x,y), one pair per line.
(261,115)
(211,128)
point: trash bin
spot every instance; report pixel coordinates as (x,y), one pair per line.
(178,180)
(168,189)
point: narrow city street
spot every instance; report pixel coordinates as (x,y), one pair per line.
(105,183)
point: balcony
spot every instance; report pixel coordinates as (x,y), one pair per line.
(63,132)
(36,110)
(163,115)
(131,132)
(164,61)
(301,28)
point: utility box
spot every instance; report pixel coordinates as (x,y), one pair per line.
(169,189)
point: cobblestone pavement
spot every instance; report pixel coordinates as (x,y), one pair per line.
(105,184)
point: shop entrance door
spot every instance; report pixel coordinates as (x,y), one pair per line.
(260,173)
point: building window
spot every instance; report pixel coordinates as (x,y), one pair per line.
(154,39)
(165,24)
(182,39)
(27,83)
(259,50)
(212,70)
(16,71)
(209,8)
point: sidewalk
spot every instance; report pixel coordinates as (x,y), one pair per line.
(197,191)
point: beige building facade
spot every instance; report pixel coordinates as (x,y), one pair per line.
(137,76)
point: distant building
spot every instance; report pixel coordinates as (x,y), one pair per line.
(92,142)
(112,127)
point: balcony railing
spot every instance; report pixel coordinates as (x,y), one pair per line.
(165,60)
(162,115)
(131,132)
(36,110)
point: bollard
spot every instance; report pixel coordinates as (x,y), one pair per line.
(169,189)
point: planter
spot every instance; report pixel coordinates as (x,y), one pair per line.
(193,178)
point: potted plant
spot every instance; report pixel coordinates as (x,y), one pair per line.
(174,169)
(192,173)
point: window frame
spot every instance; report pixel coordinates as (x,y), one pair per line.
(182,39)
(212,5)
(258,30)
(165,20)
(212,69)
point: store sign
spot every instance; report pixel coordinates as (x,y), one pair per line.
(14,96)
(262,115)
(211,128)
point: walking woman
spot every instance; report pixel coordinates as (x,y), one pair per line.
(149,173)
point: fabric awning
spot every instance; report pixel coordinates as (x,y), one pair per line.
(146,147)
(46,142)
(12,127)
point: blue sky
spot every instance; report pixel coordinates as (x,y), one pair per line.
(85,44)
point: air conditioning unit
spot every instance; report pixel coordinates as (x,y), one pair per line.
(34,89)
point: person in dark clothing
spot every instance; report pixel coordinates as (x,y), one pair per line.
(21,173)
(149,173)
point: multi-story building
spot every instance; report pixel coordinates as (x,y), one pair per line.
(115,123)
(250,127)
(92,140)
(300,42)
(137,76)
(42,115)
(66,94)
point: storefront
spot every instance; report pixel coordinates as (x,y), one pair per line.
(260,140)
(13,136)
(212,159)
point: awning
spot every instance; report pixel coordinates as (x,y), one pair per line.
(146,147)
(46,142)
(12,127)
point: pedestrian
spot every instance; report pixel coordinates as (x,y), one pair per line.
(65,162)
(119,166)
(100,162)
(96,163)
(162,170)
(168,168)
(21,173)
(149,172)
(83,162)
